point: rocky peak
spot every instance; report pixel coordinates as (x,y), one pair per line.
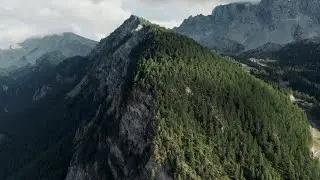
(117,130)
(229,12)
(54,38)
(133,25)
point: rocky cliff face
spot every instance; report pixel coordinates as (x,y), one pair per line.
(27,52)
(110,122)
(116,140)
(253,25)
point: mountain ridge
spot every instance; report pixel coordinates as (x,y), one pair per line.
(136,101)
(253,25)
(28,51)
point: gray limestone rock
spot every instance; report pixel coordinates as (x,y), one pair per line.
(253,25)
(116,142)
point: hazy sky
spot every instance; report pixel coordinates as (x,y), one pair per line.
(90,18)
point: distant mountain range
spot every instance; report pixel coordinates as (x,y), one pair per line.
(238,27)
(27,52)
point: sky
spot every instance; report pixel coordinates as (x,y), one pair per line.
(94,19)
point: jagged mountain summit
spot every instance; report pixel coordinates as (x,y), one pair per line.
(249,26)
(149,103)
(27,52)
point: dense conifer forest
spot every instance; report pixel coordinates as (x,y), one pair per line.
(215,121)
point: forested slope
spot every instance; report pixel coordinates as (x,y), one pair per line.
(216,121)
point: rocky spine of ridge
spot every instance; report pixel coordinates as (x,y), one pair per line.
(116,141)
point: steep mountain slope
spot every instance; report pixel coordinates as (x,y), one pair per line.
(22,87)
(30,50)
(153,104)
(33,119)
(294,66)
(253,25)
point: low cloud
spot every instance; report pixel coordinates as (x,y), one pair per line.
(94,19)
(20,19)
